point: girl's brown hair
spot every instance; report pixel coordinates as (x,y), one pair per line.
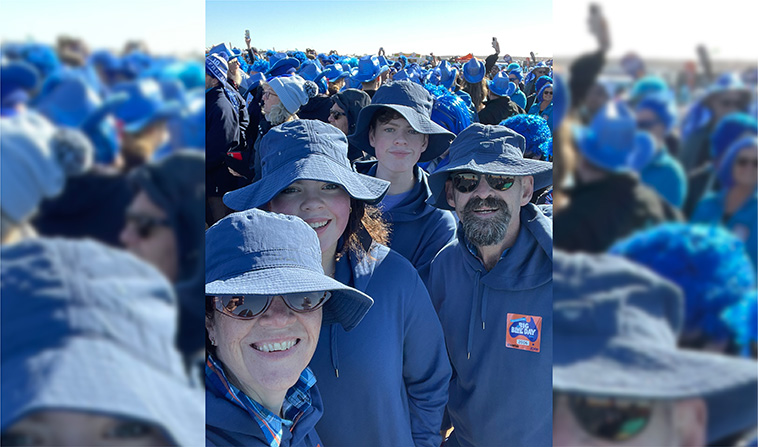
(365,225)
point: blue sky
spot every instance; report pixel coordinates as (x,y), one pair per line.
(442,27)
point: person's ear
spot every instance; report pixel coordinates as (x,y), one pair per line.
(371,137)
(211,329)
(527,189)
(690,421)
(449,193)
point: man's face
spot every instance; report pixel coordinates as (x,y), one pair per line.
(397,145)
(599,421)
(724,103)
(648,121)
(486,212)
(541,71)
(148,235)
(338,118)
(270,99)
(210,81)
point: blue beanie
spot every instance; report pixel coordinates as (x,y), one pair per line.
(533,128)
(519,98)
(517,72)
(662,106)
(542,80)
(708,263)
(730,129)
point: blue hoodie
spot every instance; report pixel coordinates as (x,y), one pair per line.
(498,395)
(385,382)
(419,230)
(229,424)
(743,223)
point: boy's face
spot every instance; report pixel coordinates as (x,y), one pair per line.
(397,145)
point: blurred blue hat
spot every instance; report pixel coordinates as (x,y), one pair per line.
(261,253)
(310,72)
(188,130)
(280,65)
(369,69)
(448,74)
(93,330)
(612,141)
(334,72)
(473,71)
(144,105)
(516,71)
(729,130)
(43,58)
(533,128)
(561,100)
(17,78)
(135,63)
(540,92)
(488,150)
(615,329)
(69,102)
(518,97)
(451,112)
(414,103)
(499,85)
(662,106)
(541,81)
(222,50)
(648,85)
(304,150)
(407,75)
(742,319)
(725,166)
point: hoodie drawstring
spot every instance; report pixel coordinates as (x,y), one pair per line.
(484,305)
(333,349)
(472,318)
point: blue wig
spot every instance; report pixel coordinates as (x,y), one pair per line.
(708,263)
(260,66)
(536,132)
(741,318)
(726,164)
(729,130)
(451,112)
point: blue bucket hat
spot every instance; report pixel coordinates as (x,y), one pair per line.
(730,129)
(516,71)
(90,328)
(488,150)
(222,50)
(69,102)
(280,65)
(334,72)
(304,150)
(415,104)
(144,104)
(662,106)
(473,71)
(17,78)
(369,69)
(500,85)
(310,72)
(260,253)
(407,75)
(612,141)
(615,328)
(448,74)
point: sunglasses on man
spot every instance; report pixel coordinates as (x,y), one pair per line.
(246,307)
(466,182)
(608,418)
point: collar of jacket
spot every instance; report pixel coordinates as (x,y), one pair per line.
(414,206)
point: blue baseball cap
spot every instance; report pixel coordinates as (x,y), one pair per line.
(615,329)
(473,71)
(414,103)
(144,104)
(304,150)
(488,149)
(90,328)
(260,253)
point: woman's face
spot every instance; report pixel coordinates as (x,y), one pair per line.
(745,169)
(265,355)
(270,99)
(547,95)
(324,206)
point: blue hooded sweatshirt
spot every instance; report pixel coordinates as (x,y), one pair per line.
(419,230)
(743,223)
(499,395)
(385,382)
(665,174)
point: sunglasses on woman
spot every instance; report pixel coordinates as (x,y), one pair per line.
(247,307)
(466,182)
(611,419)
(144,225)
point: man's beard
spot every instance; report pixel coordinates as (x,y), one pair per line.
(488,231)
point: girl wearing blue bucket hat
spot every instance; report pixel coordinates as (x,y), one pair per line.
(396,360)
(474,82)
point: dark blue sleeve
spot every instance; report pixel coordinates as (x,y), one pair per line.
(221,133)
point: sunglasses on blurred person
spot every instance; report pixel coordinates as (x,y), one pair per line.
(610,419)
(144,224)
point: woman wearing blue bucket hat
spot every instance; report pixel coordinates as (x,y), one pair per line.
(474,83)
(395,361)
(266,299)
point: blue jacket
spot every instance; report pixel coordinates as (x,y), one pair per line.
(385,382)
(419,230)
(228,424)
(665,174)
(547,113)
(498,395)
(743,223)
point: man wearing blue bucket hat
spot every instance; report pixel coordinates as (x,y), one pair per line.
(492,289)
(397,128)
(88,350)
(608,201)
(369,73)
(498,106)
(618,375)
(266,299)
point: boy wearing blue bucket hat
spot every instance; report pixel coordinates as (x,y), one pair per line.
(397,128)
(266,299)
(492,289)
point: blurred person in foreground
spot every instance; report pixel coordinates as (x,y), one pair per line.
(165,227)
(343,115)
(492,289)
(618,376)
(266,300)
(88,354)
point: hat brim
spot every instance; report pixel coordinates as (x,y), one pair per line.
(366,77)
(491,86)
(347,306)
(313,167)
(542,171)
(607,157)
(283,64)
(439,137)
(728,384)
(129,388)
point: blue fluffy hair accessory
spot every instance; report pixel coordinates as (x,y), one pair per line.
(536,132)
(741,318)
(708,263)
(260,66)
(729,130)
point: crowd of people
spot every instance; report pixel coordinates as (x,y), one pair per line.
(102,246)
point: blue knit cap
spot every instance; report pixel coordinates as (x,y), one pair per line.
(516,72)
(729,130)
(709,263)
